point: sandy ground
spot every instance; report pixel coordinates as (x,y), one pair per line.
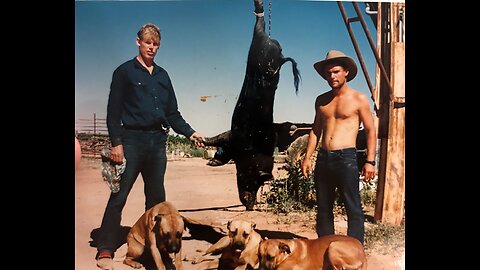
(201,192)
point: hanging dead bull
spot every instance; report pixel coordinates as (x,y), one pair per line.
(251,140)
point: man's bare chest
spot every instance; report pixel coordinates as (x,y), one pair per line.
(338,110)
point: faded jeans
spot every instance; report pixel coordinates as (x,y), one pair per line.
(145,152)
(338,169)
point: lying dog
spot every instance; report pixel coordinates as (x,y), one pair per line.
(159,229)
(336,252)
(239,248)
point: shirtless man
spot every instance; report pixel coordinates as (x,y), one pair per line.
(338,115)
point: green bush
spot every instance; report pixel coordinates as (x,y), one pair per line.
(294,192)
(195,152)
(183,144)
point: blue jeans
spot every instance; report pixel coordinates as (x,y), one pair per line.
(145,152)
(338,169)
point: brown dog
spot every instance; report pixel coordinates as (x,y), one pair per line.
(239,248)
(338,252)
(160,229)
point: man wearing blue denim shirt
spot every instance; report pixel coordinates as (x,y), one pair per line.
(338,115)
(142,107)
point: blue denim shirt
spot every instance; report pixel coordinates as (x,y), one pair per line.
(138,98)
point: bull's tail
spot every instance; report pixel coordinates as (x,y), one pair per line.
(296,72)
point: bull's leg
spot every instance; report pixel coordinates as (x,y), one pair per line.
(259,31)
(245,184)
(224,153)
(219,140)
(252,172)
(258,6)
(264,165)
(248,198)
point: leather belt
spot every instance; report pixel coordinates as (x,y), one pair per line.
(147,128)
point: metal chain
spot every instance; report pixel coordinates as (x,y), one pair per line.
(269,16)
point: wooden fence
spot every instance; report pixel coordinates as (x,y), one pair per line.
(92,134)
(94,125)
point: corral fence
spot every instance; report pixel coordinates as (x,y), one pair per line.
(92,134)
(92,126)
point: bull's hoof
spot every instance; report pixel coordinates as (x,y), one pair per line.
(248,200)
(258,6)
(215,162)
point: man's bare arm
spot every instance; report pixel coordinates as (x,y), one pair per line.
(366,118)
(313,138)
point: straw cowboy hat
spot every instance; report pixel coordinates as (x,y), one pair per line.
(334,56)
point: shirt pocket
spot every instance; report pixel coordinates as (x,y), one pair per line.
(136,81)
(137,85)
(138,90)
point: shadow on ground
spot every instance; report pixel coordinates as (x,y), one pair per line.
(119,241)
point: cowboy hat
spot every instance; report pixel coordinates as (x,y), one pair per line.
(334,56)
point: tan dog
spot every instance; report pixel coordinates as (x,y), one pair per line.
(338,252)
(160,229)
(239,248)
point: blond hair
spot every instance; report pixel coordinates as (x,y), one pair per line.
(150,30)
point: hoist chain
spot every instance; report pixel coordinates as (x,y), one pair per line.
(269,16)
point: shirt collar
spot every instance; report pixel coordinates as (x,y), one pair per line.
(137,64)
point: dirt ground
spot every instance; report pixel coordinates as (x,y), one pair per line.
(204,193)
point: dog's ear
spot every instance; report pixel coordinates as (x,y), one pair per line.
(153,221)
(284,247)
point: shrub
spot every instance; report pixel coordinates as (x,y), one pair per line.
(183,144)
(296,192)
(195,152)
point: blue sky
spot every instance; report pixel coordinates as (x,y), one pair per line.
(204,49)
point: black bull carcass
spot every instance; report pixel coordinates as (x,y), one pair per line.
(251,140)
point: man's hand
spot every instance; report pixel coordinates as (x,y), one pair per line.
(117,154)
(197,139)
(368,172)
(306,167)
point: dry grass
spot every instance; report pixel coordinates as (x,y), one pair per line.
(384,238)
